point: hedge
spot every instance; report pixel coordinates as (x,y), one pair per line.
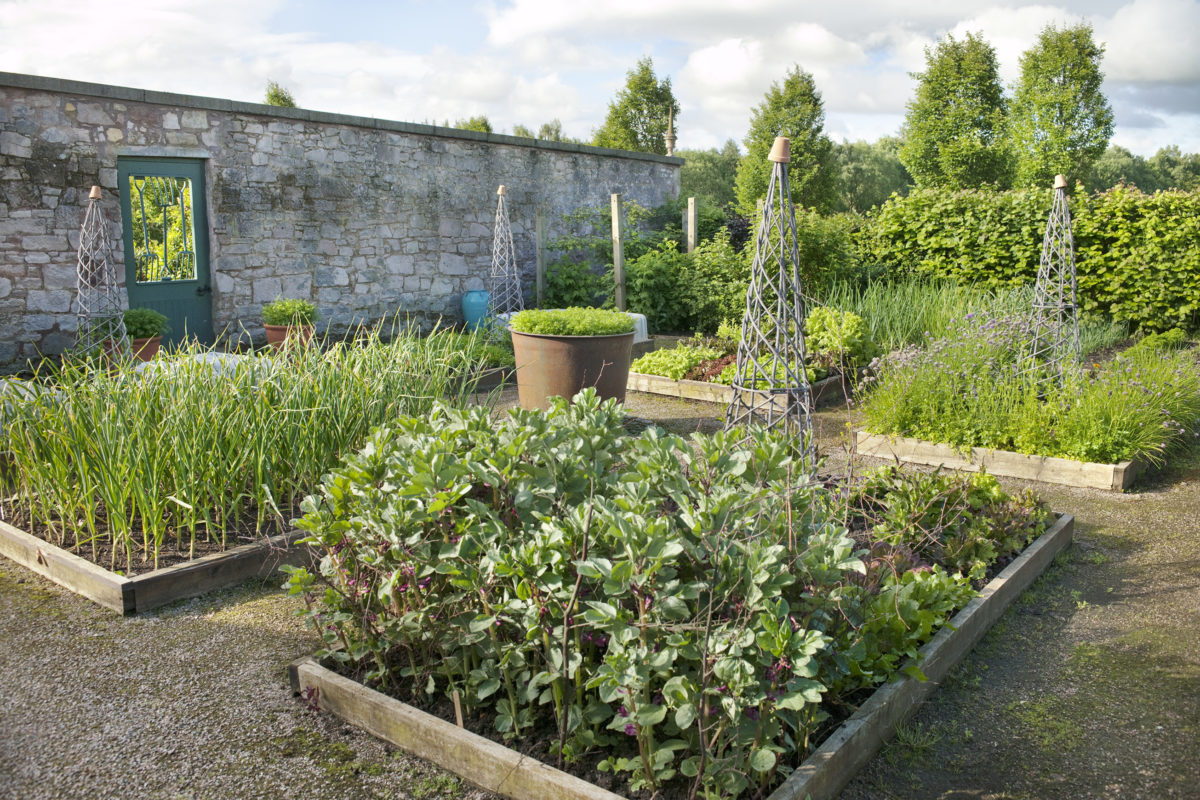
(1137,255)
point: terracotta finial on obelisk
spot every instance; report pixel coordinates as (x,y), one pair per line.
(781,150)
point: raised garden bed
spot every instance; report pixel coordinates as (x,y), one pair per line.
(150,590)
(822,775)
(1064,471)
(826,392)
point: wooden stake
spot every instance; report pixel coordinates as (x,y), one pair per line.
(691,224)
(618,237)
(540,254)
(457,709)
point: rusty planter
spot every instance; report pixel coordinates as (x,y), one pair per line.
(562,366)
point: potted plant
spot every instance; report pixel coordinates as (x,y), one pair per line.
(288,319)
(561,351)
(145,328)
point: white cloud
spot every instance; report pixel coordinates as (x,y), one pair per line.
(1153,40)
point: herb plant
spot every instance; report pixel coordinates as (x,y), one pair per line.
(144,323)
(571,322)
(289,312)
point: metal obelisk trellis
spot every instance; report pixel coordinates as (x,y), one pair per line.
(504,289)
(100,322)
(771,351)
(1055,337)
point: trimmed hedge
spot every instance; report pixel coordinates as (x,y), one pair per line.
(1137,255)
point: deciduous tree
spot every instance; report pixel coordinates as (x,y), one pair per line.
(793,109)
(279,96)
(637,118)
(1060,119)
(709,174)
(955,133)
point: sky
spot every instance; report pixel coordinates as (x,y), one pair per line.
(531,61)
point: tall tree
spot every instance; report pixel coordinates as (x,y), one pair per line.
(278,96)
(869,173)
(709,174)
(1061,121)
(955,133)
(1176,169)
(792,109)
(552,131)
(637,118)
(1118,165)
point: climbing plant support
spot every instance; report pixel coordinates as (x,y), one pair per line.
(100,324)
(771,355)
(504,289)
(1054,342)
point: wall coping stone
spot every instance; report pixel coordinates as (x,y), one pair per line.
(63,86)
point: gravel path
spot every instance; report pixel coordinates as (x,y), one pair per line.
(1090,687)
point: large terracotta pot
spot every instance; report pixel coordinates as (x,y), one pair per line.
(146,348)
(562,366)
(278,334)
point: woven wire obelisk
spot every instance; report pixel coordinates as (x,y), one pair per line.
(771,354)
(1055,337)
(504,280)
(100,322)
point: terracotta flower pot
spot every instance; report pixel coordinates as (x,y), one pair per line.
(277,335)
(562,366)
(146,348)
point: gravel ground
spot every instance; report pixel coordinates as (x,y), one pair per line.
(1089,687)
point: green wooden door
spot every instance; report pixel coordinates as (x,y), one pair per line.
(164,224)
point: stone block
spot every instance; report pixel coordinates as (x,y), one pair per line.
(267,289)
(332,276)
(400,265)
(452,264)
(194,119)
(5,287)
(170,121)
(48,300)
(93,114)
(14,144)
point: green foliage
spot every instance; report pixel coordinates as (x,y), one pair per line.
(571,322)
(1176,170)
(572,283)
(144,323)
(674,362)
(292,311)
(1061,121)
(838,339)
(793,109)
(971,390)
(478,348)
(637,117)
(716,285)
(869,173)
(708,175)
(653,287)
(163,228)
(955,134)
(1118,165)
(684,608)
(1155,342)
(188,450)
(278,96)
(479,122)
(1137,256)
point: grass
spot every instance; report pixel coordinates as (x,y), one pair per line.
(182,451)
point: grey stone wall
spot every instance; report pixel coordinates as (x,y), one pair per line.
(364,217)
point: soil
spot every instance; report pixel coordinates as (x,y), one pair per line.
(138,562)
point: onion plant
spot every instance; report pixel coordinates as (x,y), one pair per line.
(199,446)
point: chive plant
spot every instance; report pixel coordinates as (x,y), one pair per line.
(183,452)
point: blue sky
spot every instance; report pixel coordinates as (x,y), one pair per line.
(530,61)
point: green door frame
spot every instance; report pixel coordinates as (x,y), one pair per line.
(187,303)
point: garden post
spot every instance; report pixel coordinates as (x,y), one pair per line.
(691,224)
(540,255)
(618,236)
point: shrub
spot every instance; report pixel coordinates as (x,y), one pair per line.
(571,283)
(144,323)
(683,607)
(571,322)
(656,284)
(289,312)
(715,287)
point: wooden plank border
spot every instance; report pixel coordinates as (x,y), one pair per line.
(150,589)
(822,775)
(830,391)
(1065,471)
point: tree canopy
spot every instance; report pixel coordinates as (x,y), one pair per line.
(709,174)
(793,109)
(869,173)
(955,133)
(637,117)
(278,96)
(479,122)
(1061,121)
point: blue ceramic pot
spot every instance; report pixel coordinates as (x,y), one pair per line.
(475,306)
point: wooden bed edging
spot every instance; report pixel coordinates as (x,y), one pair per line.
(150,589)
(1048,469)
(822,775)
(827,771)
(478,760)
(825,392)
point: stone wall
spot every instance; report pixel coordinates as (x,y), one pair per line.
(364,217)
